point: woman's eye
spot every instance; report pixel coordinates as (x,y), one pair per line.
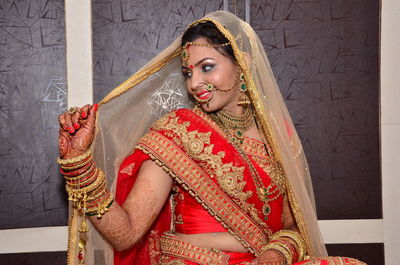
(207,67)
(187,74)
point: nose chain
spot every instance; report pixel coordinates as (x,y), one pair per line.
(211,87)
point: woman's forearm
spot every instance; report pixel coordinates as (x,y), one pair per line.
(124,225)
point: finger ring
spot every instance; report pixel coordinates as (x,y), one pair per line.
(72,110)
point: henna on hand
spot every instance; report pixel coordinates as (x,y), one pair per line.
(271,257)
(76,132)
(63,143)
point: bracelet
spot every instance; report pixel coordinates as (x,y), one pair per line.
(279,248)
(296,237)
(75,159)
(75,173)
(102,209)
(289,247)
(85,179)
(97,194)
(77,194)
(77,165)
(80,178)
(92,205)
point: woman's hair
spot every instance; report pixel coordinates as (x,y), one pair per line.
(210,32)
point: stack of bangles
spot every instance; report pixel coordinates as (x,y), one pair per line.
(86,184)
(289,243)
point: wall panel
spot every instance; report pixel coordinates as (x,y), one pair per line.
(325,57)
(32,94)
(127,34)
(42,258)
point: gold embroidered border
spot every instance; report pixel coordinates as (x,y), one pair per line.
(265,125)
(334,261)
(140,76)
(198,146)
(256,150)
(173,246)
(192,178)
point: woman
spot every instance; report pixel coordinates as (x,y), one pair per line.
(225,182)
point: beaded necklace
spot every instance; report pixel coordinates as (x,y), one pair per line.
(239,124)
(265,194)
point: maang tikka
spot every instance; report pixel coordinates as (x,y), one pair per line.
(185,49)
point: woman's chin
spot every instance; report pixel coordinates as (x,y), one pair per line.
(208,107)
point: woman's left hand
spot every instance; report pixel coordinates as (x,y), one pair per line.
(270,257)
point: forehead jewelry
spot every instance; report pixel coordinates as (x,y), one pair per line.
(185,50)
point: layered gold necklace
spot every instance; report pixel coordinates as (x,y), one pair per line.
(239,124)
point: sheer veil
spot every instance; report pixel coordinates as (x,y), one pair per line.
(158,88)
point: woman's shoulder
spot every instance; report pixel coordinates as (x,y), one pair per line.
(177,118)
(182,114)
(185,112)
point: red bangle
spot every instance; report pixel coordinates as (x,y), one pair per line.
(85,181)
(75,165)
(77,172)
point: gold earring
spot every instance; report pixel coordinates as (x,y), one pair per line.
(243,99)
(242,85)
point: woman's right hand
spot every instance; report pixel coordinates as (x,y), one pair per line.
(270,257)
(77,128)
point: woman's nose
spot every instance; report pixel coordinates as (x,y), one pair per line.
(196,81)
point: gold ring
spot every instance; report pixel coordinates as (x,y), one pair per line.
(72,110)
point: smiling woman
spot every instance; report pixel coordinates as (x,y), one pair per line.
(211,77)
(225,182)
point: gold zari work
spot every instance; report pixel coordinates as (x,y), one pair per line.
(334,261)
(174,247)
(187,172)
(121,121)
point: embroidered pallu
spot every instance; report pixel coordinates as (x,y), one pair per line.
(211,172)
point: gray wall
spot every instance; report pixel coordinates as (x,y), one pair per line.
(325,58)
(323,53)
(32,94)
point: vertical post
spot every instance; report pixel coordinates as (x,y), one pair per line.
(390,128)
(247,11)
(79,52)
(226,5)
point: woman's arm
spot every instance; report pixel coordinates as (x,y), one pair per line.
(121,226)
(124,225)
(274,257)
(288,217)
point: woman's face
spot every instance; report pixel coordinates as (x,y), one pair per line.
(207,66)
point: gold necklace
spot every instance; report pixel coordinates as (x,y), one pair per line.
(265,194)
(239,124)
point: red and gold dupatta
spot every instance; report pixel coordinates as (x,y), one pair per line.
(191,148)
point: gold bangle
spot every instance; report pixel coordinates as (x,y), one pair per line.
(77,194)
(92,206)
(281,249)
(79,165)
(75,159)
(282,244)
(100,191)
(69,180)
(102,208)
(296,237)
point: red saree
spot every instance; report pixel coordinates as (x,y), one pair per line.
(212,179)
